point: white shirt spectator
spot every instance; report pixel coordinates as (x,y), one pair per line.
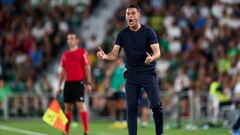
(63,26)
(54,3)
(92,43)
(236,91)
(162,67)
(38,32)
(188,11)
(231,22)
(217,10)
(20,58)
(238,66)
(182,81)
(175,47)
(168,20)
(48,28)
(237,88)
(204,11)
(174,32)
(144,19)
(211,33)
(230,1)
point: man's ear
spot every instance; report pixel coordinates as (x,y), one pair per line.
(139,14)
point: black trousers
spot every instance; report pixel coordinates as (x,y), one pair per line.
(236,124)
(134,83)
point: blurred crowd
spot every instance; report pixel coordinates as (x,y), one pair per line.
(199,42)
(200,48)
(32,34)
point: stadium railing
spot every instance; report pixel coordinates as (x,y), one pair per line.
(195,108)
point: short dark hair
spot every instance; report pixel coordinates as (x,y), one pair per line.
(134,6)
(73,33)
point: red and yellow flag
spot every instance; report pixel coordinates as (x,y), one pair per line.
(55,117)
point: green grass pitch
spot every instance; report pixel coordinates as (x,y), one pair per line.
(96,128)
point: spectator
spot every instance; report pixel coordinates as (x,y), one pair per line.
(116,103)
(182,86)
(5,90)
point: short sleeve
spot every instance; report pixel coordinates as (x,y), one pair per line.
(152,36)
(85,57)
(119,39)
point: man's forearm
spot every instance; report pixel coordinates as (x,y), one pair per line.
(156,51)
(61,77)
(114,53)
(88,73)
(111,56)
(156,55)
(60,80)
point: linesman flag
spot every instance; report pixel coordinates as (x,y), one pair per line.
(55,117)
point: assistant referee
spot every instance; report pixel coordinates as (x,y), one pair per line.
(76,67)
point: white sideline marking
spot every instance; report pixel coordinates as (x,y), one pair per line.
(17,130)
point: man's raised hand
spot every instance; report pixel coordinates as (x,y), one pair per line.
(101,54)
(149,58)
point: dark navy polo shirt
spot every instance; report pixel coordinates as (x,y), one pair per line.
(135,45)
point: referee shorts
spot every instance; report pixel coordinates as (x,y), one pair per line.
(73,92)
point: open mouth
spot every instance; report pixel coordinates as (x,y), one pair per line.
(130,21)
